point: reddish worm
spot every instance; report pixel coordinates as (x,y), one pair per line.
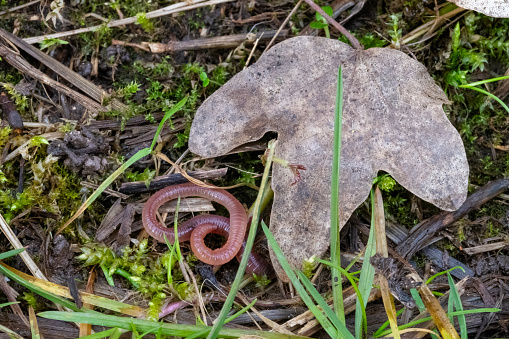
(198,227)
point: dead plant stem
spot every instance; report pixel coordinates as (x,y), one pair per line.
(355,43)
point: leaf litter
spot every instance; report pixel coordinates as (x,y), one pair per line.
(393,121)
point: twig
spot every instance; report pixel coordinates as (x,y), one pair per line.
(13,9)
(426,230)
(175,8)
(252,51)
(283,25)
(228,41)
(353,40)
(86,86)
(24,67)
(6,229)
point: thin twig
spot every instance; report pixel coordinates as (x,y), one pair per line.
(283,25)
(13,9)
(355,43)
(175,8)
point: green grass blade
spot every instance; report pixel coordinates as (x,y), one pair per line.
(8,304)
(11,253)
(333,318)
(482,82)
(199,334)
(430,279)
(337,288)
(249,245)
(419,321)
(349,276)
(10,332)
(494,97)
(454,297)
(140,154)
(169,329)
(418,300)
(324,321)
(102,334)
(40,291)
(385,324)
(167,116)
(367,275)
(243,310)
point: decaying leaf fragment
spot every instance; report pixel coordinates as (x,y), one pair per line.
(494,8)
(392,121)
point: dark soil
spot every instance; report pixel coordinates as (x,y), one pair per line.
(44,185)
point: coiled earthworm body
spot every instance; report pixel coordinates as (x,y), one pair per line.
(198,227)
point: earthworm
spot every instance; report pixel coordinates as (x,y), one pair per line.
(198,227)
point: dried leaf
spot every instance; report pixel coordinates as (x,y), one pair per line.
(392,121)
(494,8)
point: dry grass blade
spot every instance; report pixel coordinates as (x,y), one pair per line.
(48,136)
(86,297)
(13,9)
(175,8)
(486,247)
(381,249)
(95,92)
(34,327)
(6,229)
(438,314)
(15,60)
(190,178)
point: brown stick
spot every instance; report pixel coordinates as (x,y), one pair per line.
(228,41)
(167,180)
(355,43)
(283,25)
(423,232)
(74,78)
(15,60)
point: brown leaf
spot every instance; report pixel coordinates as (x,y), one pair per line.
(494,8)
(392,121)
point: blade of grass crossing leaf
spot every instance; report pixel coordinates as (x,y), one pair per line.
(249,245)
(140,154)
(100,335)
(454,297)
(341,332)
(367,274)
(337,288)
